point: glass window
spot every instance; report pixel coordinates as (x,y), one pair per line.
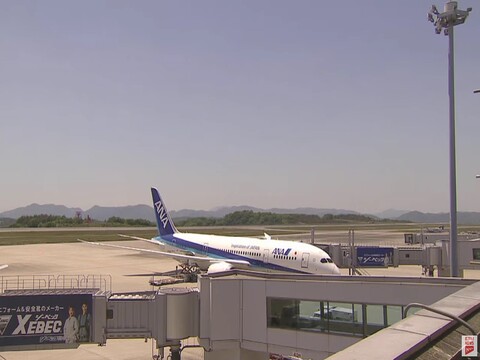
(476,254)
(394,314)
(358,319)
(282,312)
(309,317)
(374,318)
(343,317)
(330,316)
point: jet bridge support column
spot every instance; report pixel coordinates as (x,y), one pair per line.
(175,353)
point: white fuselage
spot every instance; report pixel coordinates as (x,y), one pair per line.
(277,255)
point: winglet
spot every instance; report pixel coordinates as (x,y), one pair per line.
(164,222)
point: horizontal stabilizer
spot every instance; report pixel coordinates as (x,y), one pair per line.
(156,242)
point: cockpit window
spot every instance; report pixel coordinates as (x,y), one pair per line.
(330,260)
(323,261)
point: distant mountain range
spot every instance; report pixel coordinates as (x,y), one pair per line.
(146,212)
(36,209)
(463,217)
(222,211)
(391,214)
(126,212)
(97,212)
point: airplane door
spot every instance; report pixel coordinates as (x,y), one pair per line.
(205,248)
(305,257)
(266,253)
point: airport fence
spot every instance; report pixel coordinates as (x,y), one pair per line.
(55,282)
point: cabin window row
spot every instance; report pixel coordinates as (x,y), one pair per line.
(250,253)
(284,257)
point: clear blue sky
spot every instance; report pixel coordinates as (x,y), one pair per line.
(339,104)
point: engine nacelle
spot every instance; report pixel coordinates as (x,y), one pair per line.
(219,267)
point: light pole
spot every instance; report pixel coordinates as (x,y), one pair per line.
(446,21)
(476,91)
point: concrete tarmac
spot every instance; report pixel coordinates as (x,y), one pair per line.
(83,259)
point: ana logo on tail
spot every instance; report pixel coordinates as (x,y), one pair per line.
(162,213)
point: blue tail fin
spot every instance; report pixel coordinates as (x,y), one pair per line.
(164,222)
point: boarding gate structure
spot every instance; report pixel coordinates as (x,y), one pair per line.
(234,315)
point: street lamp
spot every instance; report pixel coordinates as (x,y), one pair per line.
(476,91)
(447,20)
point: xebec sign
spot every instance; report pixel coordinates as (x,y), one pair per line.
(42,319)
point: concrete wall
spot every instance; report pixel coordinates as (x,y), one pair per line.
(233,311)
(235,354)
(411,256)
(465,253)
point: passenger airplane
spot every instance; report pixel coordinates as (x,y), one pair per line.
(221,253)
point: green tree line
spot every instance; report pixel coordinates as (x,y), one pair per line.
(248,217)
(51,221)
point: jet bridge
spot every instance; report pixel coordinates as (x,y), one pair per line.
(48,312)
(429,257)
(168,316)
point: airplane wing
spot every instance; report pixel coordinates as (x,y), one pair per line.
(3,267)
(178,257)
(156,242)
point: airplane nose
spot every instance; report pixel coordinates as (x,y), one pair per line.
(335,270)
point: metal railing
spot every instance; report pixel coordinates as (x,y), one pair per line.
(52,282)
(441,312)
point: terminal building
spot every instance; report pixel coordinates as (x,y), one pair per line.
(248,315)
(431,256)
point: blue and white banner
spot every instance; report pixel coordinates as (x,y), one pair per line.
(374,256)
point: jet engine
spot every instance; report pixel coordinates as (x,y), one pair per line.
(219,267)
